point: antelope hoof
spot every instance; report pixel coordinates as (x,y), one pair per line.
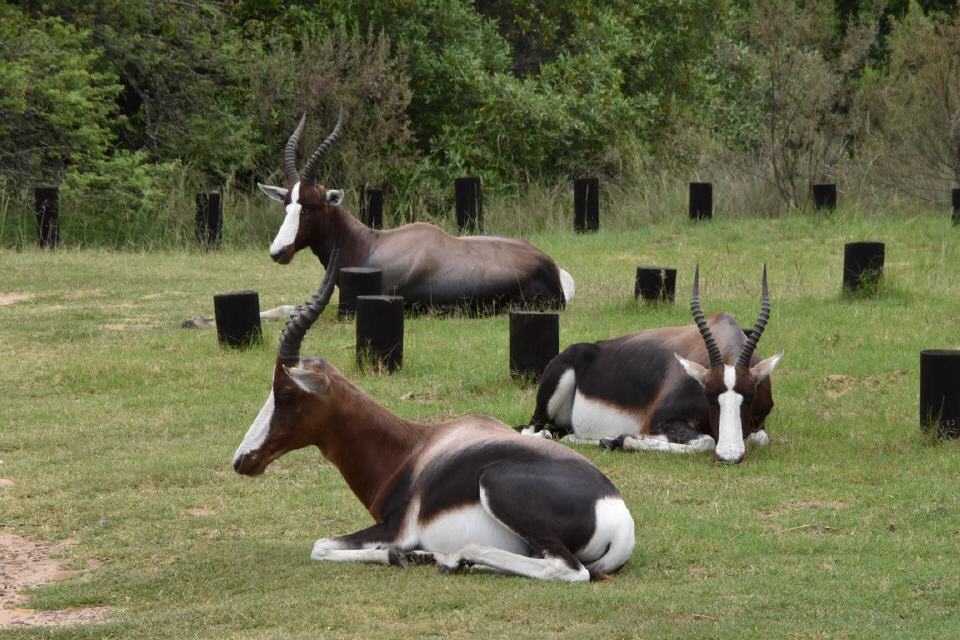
(613,444)
(397,558)
(452,565)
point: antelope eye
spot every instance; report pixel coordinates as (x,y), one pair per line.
(285,396)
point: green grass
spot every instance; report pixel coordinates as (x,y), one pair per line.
(115,423)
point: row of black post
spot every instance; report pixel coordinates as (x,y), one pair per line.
(468,197)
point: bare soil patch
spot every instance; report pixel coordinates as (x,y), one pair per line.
(838,385)
(13,297)
(25,564)
(6,482)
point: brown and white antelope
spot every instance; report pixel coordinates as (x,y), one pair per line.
(421,262)
(668,389)
(466,492)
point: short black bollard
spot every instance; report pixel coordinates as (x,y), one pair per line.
(940,391)
(380,332)
(701,201)
(534,341)
(955,202)
(209,220)
(238,318)
(862,264)
(357,281)
(371,207)
(657,284)
(586,204)
(47,206)
(469,201)
(824,196)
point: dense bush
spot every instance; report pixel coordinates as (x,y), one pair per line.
(135,105)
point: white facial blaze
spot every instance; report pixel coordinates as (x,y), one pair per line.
(257,433)
(291,224)
(730,446)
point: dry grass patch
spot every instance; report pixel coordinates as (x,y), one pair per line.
(28,564)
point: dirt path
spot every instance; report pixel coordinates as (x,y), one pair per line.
(25,564)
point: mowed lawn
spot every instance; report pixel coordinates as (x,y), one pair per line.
(117,428)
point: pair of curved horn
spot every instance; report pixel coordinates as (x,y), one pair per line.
(716,359)
(313,162)
(303,318)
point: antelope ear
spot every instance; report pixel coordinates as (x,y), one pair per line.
(274,193)
(334,196)
(695,370)
(764,368)
(309,381)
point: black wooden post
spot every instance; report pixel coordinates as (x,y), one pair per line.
(657,284)
(586,204)
(371,207)
(238,318)
(469,201)
(380,332)
(47,206)
(940,391)
(862,264)
(701,201)
(534,341)
(357,281)
(209,220)
(955,201)
(824,196)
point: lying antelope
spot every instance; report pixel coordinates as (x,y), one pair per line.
(420,262)
(667,389)
(467,492)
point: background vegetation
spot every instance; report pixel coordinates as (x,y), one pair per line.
(118,429)
(133,106)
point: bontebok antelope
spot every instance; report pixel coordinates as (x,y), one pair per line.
(668,389)
(467,492)
(420,262)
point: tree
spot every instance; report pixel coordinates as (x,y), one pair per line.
(916,103)
(55,105)
(806,80)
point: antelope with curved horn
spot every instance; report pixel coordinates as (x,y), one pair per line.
(466,492)
(668,389)
(419,261)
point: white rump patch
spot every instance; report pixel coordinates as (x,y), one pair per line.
(257,433)
(593,419)
(566,283)
(730,447)
(560,404)
(291,223)
(613,538)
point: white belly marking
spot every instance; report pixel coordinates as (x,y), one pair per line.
(595,419)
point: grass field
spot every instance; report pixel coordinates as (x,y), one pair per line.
(117,428)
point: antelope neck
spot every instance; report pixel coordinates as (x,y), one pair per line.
(367,443)
(342,230)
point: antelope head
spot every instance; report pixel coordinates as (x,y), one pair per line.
(306,203)
(299,401)
(730,388)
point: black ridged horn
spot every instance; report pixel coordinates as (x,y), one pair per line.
(747,352)
(310,167)
(290,154)
(303,318)
(716,359)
